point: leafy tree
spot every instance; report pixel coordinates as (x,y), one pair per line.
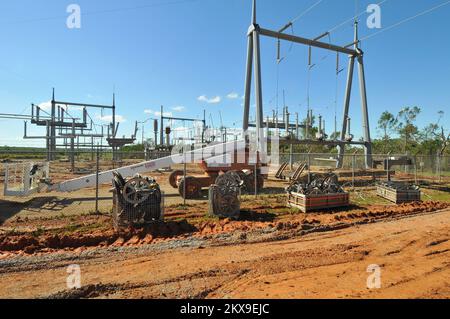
(406,128)
(387,124)
(335,135)
(435,132)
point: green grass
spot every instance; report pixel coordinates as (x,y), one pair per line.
(366,198)
(435,195)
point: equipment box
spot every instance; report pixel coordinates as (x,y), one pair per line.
(398,196)
(307,203)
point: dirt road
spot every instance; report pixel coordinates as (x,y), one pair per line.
(413,253)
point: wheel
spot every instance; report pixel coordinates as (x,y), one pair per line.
(193,188)
(173,178)
(132,190)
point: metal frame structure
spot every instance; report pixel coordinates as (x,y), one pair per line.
(67,127)
(170,118)
(254,65)
(61,125)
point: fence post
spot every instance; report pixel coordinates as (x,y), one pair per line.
(309,167)
(388,169)
(97,169)
(291,160)
(353,170)
(256,176)
(415,170)
(440,168)
(184,178)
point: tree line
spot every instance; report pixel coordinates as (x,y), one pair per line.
(401,133)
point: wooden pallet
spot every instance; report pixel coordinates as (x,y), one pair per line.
(307,203)
(398,196)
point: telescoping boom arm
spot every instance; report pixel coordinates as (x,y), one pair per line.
(214,152)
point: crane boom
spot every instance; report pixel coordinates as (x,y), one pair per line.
(211,152)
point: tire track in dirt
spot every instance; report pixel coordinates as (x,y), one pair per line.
(294,226)
(313,266)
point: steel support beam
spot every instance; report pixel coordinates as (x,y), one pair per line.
(289,141)
(258,91)
(365,113)
(309,42)
(84,105)
(248,84)
(348,93)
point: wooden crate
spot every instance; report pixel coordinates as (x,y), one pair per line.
(307,203)
(398,196)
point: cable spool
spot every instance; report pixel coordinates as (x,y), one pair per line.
(319,185)
(136,201)
(224,196)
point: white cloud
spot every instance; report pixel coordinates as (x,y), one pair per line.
(108,118)
(180,129)
(47,106)
(214,100)
(154,113)
(178,108)
(233,96)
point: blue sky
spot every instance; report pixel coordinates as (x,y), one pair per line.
(169,52)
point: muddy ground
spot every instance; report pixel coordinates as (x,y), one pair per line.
(271,252)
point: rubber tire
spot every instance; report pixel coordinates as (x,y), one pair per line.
(173,178)
(193,188)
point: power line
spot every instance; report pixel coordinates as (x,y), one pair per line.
(406,20)
(153,5)
(301,15)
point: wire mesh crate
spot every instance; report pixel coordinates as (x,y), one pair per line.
(399,194)
(136,202)
(307,203)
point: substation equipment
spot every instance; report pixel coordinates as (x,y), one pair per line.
(398,192)
(221,174)
(166,131)
(355,55)
(191,186)
(61,125)
(76,135)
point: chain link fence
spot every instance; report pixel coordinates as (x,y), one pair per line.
(424,170)
(66,166)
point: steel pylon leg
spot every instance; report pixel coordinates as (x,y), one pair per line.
(348,93)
